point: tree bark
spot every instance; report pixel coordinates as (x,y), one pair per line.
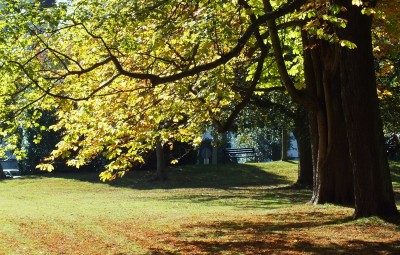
(302,135)
(333,174)
(372,182)
(161,172)
(331,159)
(313,127)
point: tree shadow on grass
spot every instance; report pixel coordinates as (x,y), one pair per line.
(243,186)
(247,198)
(193,176)
(292,233)
(246,186)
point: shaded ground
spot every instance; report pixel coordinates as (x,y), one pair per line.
(293,233)
(196,176)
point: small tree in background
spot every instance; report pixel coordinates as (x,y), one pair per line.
(38,141)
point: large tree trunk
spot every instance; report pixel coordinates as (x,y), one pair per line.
(332,167)
(302,135)
(372,182)
(333,175)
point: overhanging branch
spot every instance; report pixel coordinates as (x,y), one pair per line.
(235,51)
(298,96)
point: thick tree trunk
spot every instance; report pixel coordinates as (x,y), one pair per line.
(347,119)
(333,175)
(285,144)
(372,182)
(331,159)
(161,172)
(329,186)
(302,135)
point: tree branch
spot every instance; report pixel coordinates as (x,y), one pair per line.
(235,51)
(298,96)
(49,93)
(239,107)
(264,103)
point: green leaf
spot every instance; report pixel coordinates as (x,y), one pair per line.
(348,44)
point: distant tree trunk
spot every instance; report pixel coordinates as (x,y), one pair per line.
(214,156)
(372,182)
(161,173)
(285,144)
(2,174)
(302,135)
(313,127)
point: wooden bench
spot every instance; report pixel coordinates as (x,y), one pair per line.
(233,154)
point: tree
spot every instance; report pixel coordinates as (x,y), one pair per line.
(116,70)
(353,70)
(332,180)
(285,144)
(54,88)
(364,127)
(37,140)
(267,113)
(302,135)
(261,128)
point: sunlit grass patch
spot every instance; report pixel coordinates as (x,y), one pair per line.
(224,209)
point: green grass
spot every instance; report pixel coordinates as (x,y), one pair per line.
(224,209)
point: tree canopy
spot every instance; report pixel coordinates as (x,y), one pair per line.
(125,76)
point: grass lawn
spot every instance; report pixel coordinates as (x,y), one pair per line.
(225,209)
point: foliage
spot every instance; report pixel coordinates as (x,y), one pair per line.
(390,111)
(261,128)
(38,142)
(122,76)
(387,54)
(71,64)
(266,141)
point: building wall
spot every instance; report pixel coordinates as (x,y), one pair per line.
(293,152)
